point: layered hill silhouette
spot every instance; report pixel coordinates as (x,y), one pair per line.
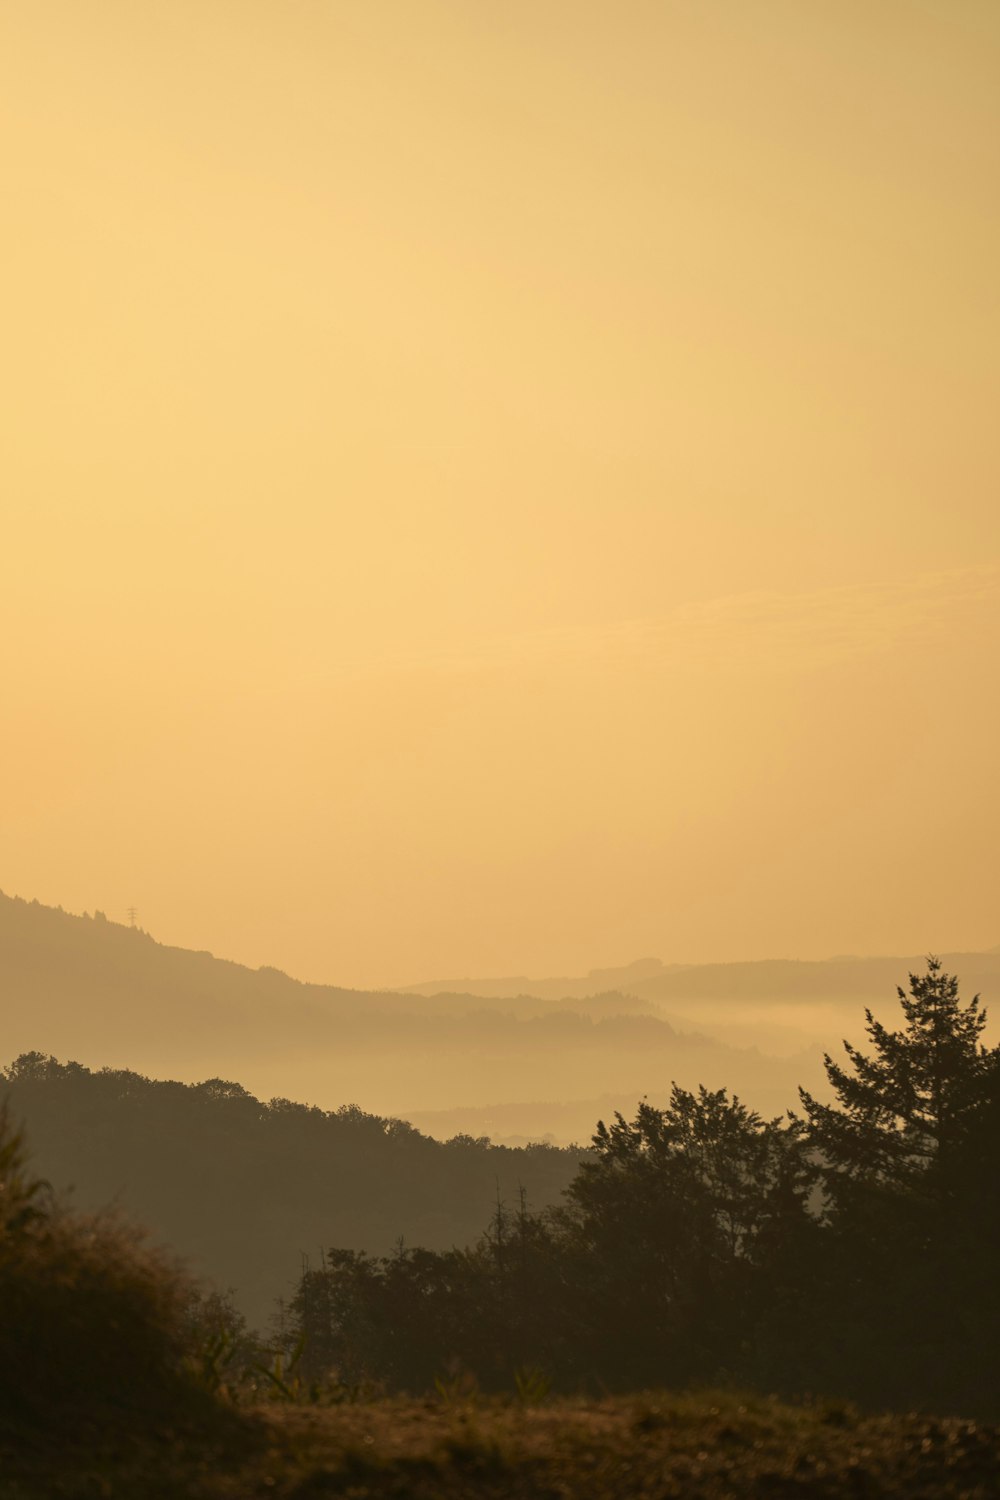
(238,1184)
(102,994)
(777,1005)
(451,1057)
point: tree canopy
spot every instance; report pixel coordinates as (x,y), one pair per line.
(902,1109)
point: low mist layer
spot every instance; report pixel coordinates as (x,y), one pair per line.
(516,1066)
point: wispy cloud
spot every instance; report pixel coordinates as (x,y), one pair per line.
(766,630)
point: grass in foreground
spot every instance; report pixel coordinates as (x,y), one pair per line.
(654,1445)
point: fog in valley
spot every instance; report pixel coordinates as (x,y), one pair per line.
(300,1115)
(515,1060)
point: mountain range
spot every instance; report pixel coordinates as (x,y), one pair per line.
(543,1059)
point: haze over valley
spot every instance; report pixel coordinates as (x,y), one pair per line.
(102,1017)
(511,1059)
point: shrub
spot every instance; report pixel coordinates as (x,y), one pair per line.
(93,1337)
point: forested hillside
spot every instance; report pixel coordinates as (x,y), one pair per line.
(244,1189)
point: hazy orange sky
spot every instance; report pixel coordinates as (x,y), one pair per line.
(502,487)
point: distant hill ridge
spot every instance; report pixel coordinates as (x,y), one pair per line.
(100,993)
(103,951)
(596,981)
(844,977)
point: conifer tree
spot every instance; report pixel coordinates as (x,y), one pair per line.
(902,1110)
(902,1288)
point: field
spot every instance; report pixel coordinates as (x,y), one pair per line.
(656,1445)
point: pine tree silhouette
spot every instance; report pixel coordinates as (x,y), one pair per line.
(902,1109)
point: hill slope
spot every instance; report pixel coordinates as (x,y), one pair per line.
(242,1189)
(104,994)
(780,1005)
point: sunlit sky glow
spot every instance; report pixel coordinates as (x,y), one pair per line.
(502,488)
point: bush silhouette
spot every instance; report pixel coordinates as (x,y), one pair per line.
(93,1337)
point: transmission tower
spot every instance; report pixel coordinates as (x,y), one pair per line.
(133,912)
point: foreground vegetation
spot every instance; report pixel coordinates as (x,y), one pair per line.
(702,1248)
(648,1446)
(112,1388)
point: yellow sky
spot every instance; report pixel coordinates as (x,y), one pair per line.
(502,487)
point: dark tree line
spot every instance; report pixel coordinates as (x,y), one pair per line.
(231,1182)
(851,1249)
